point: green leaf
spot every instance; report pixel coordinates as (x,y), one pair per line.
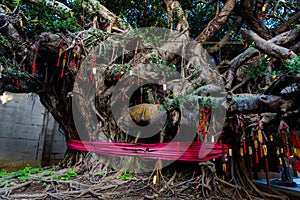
(56,177)
(101,174)
(71,173)
(34,170)
(40,176)
(125,176)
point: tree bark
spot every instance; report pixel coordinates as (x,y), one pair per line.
(283,39)
(267,47)
(244,10)
(217,22)
(237,25)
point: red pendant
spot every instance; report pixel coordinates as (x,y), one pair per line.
(58,62)
(62,72)
(33,67)
(256,158)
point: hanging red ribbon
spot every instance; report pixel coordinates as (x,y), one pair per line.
(141,97)
(60,53)
(62,72)
(91,76)
(63,65)
(33,67)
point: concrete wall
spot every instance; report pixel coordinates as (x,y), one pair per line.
(28,133)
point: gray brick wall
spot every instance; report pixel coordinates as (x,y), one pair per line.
(28,133)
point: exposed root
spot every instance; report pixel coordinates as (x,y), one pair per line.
(206,185)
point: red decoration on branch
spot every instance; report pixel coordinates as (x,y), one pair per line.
(60,53)
(33,67)
(63,65)
(62,72)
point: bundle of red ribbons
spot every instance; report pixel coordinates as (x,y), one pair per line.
(184,151)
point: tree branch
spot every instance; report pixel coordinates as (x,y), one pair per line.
(113,23)
(261,103)
(176,13)
(241,103)
(237,25)
(217,22)
(267,46)
(296,48)
(285,25)
(279,84)
(258,8)
(58,6)
(286,37)
(25,83)
(244,10)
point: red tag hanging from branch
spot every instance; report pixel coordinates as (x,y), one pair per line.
(63,65)
(123,97)
(33,67)
(60,53)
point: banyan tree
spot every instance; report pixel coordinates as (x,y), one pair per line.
(193,106)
